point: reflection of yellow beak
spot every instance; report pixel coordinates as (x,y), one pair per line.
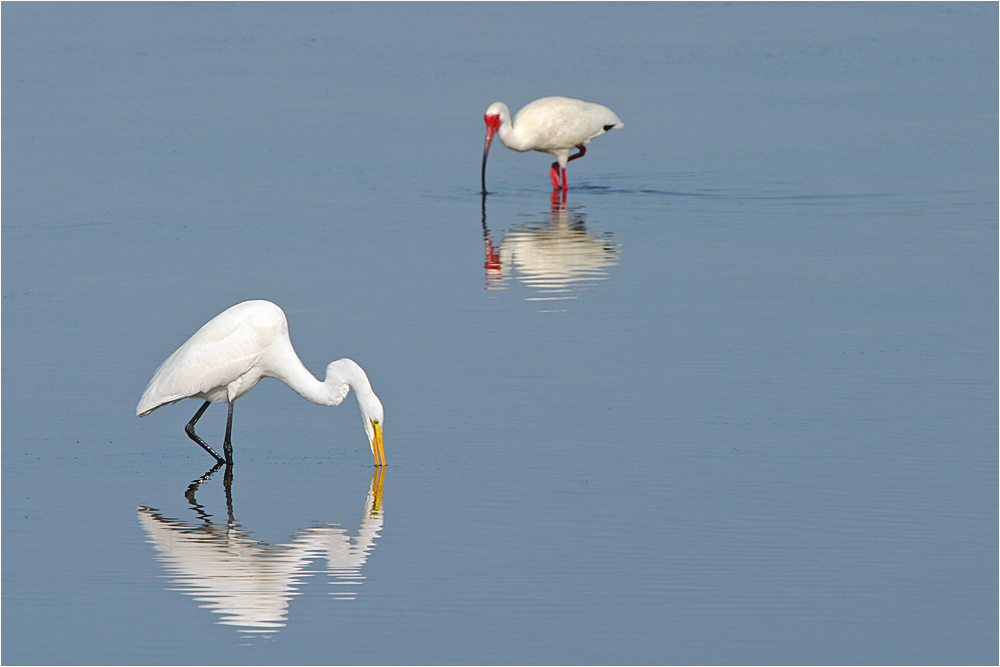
(377,444)
(375,497)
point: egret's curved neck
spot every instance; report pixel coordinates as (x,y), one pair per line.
(341,376)
(298,377)
(345,373)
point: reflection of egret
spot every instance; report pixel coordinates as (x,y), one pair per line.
(250,583)
(556,257)
(225,359)
(553,125)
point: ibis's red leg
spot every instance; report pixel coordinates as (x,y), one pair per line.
(554,175)
(554,172)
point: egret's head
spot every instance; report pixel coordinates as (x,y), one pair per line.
(373,415)
(371,412)
(344,374)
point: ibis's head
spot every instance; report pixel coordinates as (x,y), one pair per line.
(496,115)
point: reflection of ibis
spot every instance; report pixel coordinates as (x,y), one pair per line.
(553,125)
(230,354)
(250,583)
(557,257)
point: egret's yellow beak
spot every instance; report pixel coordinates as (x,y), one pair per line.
(377,444)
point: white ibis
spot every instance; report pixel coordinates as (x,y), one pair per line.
(236,349)
(554,125)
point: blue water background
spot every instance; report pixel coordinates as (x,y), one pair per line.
(734,402)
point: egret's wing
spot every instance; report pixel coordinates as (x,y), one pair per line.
(214,356)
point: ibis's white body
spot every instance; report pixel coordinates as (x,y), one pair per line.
(553,125)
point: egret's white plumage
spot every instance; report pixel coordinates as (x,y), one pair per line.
(553,125)
(228,356)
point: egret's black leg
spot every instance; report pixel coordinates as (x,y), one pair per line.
(227,483)
(189,429)
(227,444)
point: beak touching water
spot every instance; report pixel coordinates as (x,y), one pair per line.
(492,125)
(377,444)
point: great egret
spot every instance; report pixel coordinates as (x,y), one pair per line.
(228,356)
(550,125)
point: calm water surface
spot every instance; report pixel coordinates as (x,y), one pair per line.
(733,401)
